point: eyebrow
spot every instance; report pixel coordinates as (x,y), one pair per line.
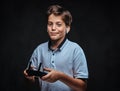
(55,22)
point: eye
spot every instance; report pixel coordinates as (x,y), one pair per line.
(50,24)
(59,24)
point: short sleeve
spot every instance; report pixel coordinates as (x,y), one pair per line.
(80,69)
(35,58)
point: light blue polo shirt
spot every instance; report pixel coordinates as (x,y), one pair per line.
(69,58)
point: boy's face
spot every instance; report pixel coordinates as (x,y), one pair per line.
(56,27)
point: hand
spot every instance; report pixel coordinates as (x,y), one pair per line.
(52,76)
(31,78)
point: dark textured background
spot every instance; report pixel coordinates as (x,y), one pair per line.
(94,28)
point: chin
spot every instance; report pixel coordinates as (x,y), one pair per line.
(53,38)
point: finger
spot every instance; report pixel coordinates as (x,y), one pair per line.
(25,73)
(31,78)
(46,77)
(47,69)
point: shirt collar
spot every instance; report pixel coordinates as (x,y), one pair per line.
(59,47)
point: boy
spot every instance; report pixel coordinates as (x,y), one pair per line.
(63,60)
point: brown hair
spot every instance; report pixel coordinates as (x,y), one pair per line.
(57,11)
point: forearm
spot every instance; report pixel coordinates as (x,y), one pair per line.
(74,83)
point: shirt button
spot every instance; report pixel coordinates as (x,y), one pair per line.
(52,61)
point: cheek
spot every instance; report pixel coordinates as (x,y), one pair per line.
(62,32)
(48,29)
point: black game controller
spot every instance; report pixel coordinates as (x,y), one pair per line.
(32,72)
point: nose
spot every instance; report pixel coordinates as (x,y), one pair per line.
(53,27)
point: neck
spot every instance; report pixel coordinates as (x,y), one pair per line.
(56,43)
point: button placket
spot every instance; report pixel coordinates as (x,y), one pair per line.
(53,60)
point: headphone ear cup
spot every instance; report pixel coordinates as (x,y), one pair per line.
(66,31)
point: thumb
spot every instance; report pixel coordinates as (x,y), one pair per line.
(47,69)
